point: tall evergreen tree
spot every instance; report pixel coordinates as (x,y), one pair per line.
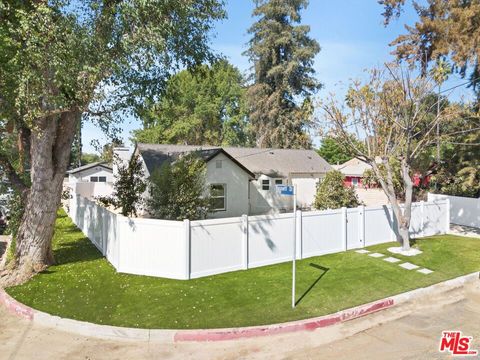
(282,54)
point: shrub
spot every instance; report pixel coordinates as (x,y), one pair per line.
(177,190)
(333,194)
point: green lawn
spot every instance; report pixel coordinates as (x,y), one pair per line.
(84,286)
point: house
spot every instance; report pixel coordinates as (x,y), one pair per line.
(354,169)
(245,179)
(91,180)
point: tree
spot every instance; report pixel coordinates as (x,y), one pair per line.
(88,158)
(107,151)
(282,53)
(204,105)
(391,112)
(129,187)
(64,60)
(333,151)
(446,28)
(333,194)
(177,190)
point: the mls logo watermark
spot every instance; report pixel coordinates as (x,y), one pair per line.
(457,344)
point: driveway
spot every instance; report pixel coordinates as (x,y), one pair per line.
(414,333)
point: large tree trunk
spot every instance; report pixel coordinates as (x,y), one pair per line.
(51,139)
(403,218)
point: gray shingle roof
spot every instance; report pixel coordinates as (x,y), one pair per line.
(271,162)
(88,166)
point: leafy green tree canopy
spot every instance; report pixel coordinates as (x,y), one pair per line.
(282,54)
(333,151)
(62,61)
(204,105)
(333,194)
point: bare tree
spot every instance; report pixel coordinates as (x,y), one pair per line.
(391,116)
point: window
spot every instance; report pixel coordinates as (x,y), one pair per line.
(278,181)
(218,164)
(265,184)
(355,182)
(102,179)
(217,197)
(93,178)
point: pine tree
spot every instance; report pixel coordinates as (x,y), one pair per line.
(282,54)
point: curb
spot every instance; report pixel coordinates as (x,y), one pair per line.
(171,336)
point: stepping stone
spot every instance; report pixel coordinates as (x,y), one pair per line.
(392,260)
(363,251)
(376,255)
(409,266)
(425,271)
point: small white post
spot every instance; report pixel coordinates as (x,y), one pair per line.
(294,243)
(186,226)
(422,219)
(344,229)
(361,225)
(447,227)
(245,241)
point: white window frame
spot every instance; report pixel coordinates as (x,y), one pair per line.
(279,181)
(102,177)
(224,197)
(94,177)
(355,181)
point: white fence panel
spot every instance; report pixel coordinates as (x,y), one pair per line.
(416,220)
(152,247)
(270,239)
(353,229)
(378,225)
(217,246)
(463,210)
(183,250)
(322,232)
(435,218)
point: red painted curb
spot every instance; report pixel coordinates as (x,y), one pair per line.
(15,307)
(308,324)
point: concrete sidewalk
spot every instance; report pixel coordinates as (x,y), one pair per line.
(410,331)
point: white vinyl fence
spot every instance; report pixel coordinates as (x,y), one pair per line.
(193,249)
(463,210)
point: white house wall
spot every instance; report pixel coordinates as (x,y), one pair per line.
(271,202)
(84,176)
(236,181)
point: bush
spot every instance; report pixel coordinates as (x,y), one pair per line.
(333,194)
(177,190)
(128,188)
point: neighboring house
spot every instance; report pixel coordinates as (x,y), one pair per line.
(245,179)
(353,170)
(91,180)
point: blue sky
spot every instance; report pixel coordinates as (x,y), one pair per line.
(350,32)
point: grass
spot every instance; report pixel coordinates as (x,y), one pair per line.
(84,286)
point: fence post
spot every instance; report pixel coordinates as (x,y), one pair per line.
(422,220)
(344,228)
(245,241)
(447,228)
(186,226)
(299,239)
(361,224)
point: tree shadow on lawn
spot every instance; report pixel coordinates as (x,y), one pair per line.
(80,250)
(324,271)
